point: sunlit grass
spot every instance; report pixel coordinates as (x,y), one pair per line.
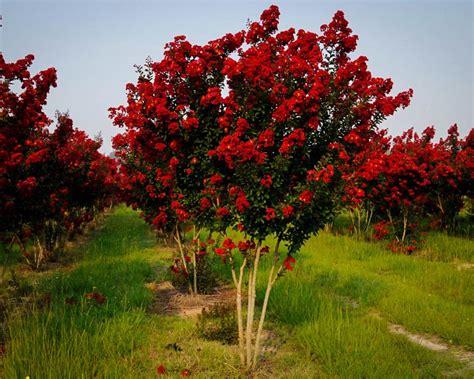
(340,288)
(83,339)
(330,315)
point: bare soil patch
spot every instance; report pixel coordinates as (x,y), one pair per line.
(169,301)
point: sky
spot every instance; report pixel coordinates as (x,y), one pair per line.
(423,45)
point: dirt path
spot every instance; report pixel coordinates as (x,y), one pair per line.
(435,343)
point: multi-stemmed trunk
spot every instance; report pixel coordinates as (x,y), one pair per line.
(183,258)
(192,281)
(361,219)
(249,341)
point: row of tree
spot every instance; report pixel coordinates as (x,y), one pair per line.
(402,186)
(53,180)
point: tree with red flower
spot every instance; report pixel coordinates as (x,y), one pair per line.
(52,182)
(250,126)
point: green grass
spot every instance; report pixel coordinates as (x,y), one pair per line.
(425,296)
(331,313)
(341,286)
(353,346)
(341,333)
(86,340)
(445,248)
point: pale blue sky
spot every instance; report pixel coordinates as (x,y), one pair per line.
(425,45)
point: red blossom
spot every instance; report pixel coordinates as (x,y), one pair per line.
(216,179)
(287,263)
(222,212)
(205,203)
(287,211)
(27,186)
(228,244)
(270,214)
(241,203)
(161,370)
(243,245)
(267,181)
(306,196)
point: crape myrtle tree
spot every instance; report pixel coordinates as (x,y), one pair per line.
(247,131)
(423,181)
(362,170)
(406,183)
(452,176)
(412,169)
(51,182)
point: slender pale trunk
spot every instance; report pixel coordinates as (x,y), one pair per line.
(181,250)
(370,214)
(251,305)
(405,225)
(39,253)
(351,214)
(238,299)
(271,281)
(440,205)
(195,273)
(359,228)
(194,260)
(248,330)
(389,214)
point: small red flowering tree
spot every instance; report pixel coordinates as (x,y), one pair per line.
(46,178)
(451,165)
(23,134)
(362,163)
(248,135)
(87,177)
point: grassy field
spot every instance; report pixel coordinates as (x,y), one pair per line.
(330,317)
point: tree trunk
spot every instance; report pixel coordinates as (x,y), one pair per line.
(238,299)
(185,266)
(251,305)
(271,281)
